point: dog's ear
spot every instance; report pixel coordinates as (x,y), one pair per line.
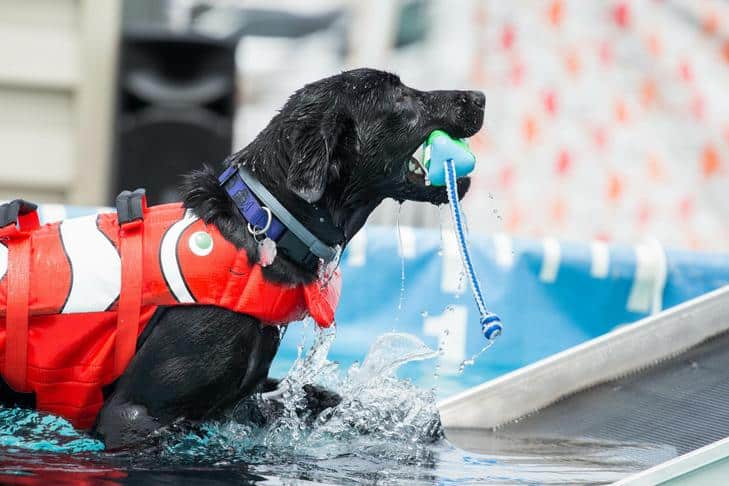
(314,144)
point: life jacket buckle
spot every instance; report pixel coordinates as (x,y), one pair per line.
(131,206)
(18,217)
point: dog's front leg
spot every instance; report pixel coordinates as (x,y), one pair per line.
(194,362)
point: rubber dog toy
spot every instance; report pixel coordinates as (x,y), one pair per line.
(439,147)
(446,159)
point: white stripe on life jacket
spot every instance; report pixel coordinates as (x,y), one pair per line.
(3,260)
(95,266)
(169,262)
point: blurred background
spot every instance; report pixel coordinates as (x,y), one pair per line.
(606,120)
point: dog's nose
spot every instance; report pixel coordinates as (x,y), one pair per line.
(477,98)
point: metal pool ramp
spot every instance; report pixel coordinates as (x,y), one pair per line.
(660,384)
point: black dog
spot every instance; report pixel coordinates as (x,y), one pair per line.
(338,148)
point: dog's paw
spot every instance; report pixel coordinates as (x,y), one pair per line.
(257,412)
(269,405)
(124,425)
(318,399)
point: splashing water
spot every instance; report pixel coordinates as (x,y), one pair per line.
(472,360)
(401,253)
(380,420)
(440,229)
(326,271)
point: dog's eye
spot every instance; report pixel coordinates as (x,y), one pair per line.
(201,243)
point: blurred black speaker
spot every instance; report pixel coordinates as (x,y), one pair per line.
(175,109)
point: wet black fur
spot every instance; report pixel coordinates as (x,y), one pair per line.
(334,152)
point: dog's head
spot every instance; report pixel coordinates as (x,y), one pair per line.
(349,140)
(337,149)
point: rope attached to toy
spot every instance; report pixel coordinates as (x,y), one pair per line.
(490,323)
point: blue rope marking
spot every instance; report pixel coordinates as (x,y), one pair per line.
(490,323)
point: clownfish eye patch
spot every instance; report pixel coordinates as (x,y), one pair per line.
(201,243)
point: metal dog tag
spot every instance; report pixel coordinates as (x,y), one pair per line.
(266,251)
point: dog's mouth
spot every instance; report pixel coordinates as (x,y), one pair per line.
(414,184)
(417,170)
(417,173)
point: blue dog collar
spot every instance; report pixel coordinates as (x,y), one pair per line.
(265,215)
(258,217)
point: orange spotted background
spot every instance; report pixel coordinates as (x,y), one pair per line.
(605,119)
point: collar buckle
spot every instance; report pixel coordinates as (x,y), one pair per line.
(256,231)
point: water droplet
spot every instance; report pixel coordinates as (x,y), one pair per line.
(401,300)
(424,313)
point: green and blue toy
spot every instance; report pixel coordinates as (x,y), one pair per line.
(441,147)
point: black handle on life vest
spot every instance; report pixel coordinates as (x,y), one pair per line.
(130,206)
(11,213)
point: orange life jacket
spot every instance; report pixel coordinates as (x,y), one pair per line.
(75,296)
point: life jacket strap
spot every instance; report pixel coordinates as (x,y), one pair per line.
(18,219)
(131,207)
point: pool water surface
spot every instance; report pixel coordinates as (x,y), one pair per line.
(385,431)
